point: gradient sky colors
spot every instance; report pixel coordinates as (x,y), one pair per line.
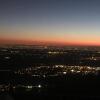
(70,22)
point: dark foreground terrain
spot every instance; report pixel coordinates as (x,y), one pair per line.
(64,87)
(42,73)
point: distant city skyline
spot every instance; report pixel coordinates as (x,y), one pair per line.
(62,22)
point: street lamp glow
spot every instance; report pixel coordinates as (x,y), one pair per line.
(39,86)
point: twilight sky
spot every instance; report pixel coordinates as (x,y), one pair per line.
(70,22)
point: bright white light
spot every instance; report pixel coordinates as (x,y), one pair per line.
(56,66)
(64,72)
(88,67)
(39,86)
(72,70)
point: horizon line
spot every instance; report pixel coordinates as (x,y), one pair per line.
(45,43)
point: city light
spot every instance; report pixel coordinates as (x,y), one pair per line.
(39,86)
(64,73)
(29,87)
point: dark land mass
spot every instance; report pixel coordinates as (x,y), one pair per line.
(69,86)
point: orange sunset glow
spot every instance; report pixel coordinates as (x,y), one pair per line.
(65,23)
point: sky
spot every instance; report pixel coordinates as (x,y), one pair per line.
(69,22)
